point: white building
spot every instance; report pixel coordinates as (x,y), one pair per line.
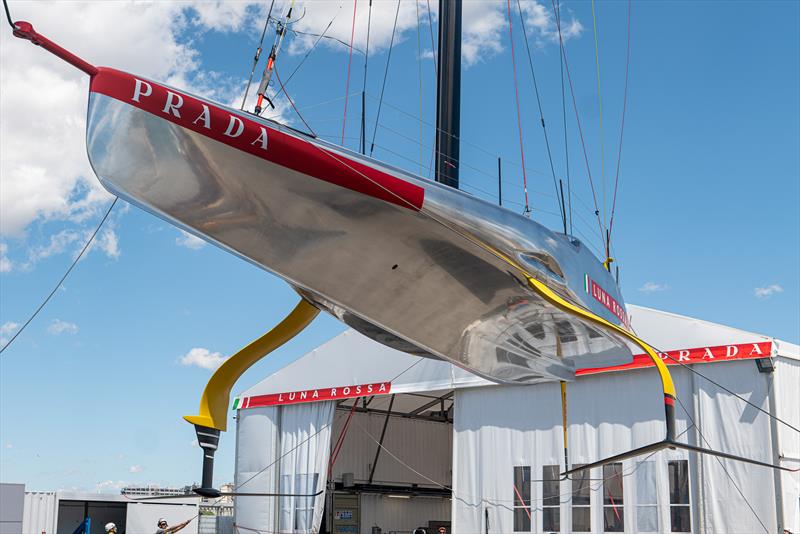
(464,455)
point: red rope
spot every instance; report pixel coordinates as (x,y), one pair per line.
(349,62)
(340,441)
(580,129)
(622,127)
(519,115)
(521,500)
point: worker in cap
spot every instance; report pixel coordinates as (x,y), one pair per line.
(111,528)
(163,528)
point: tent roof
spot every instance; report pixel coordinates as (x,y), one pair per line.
(351,359)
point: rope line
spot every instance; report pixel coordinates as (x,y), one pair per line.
(258,54)
(349,63)
(622,126)
(61,281)
(385,75)
(308,53)
(289,98)
(580,128)
(541,113)
(724,469)
(600,104)
(519,115)
(8,15)
(419,77)
(564,117)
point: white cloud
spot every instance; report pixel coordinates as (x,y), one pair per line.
(203,358)
(110,486)
(135,469)
(62,327)
(485,25)
(6,265)
(767,291)
(189,241)
(6,330)
(9,445)
(44,172)
(653,287)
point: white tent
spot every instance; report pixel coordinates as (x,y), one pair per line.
(470,453)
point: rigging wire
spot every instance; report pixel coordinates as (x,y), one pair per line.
(541,113)
(419,77)
(331,37)
(61,281)
(580,129)
(283,90)
(385,75)
(622,126)
(363,136)
(433,48)
(519,115)
(722,465)
(308,53)
(8,16)
(600,103)
(564,117)
(349,62)
(752,405)
(258,54)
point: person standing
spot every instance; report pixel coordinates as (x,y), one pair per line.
(163,528)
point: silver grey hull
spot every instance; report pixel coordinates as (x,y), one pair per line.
(446,277)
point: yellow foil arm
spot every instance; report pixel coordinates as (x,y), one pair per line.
(216,397)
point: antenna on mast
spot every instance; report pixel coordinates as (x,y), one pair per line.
(448,93)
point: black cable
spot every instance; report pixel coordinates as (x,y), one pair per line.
(297,68)
(61,281)
(735,485)
(8,15)
(364,87)
(283,90)
(433,48)
(385,75)
(326,37)
(564,115)
(258,54)
(541,113)
(760,409)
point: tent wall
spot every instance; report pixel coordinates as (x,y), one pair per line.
(282,450)
(498,428)
(424,445)
(728,424)
(787,395)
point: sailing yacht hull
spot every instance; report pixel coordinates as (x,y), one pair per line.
(411,263)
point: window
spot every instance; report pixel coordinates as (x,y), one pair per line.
(297,513)
(613,510)
(551,503)
(646,497)
(679,512)
(522,499)
(581,501)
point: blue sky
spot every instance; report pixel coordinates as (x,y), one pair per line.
(707,223)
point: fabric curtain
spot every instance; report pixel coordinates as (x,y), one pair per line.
(304,450)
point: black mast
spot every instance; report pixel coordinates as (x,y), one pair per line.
(448,93)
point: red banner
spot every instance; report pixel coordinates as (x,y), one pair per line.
(720,353)
(601,296)
(314,395)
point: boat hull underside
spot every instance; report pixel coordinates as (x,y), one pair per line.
(391,272)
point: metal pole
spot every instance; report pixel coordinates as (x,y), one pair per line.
(500,180)
(380,443)
(448,93)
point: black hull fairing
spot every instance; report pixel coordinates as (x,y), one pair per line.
(409,262)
